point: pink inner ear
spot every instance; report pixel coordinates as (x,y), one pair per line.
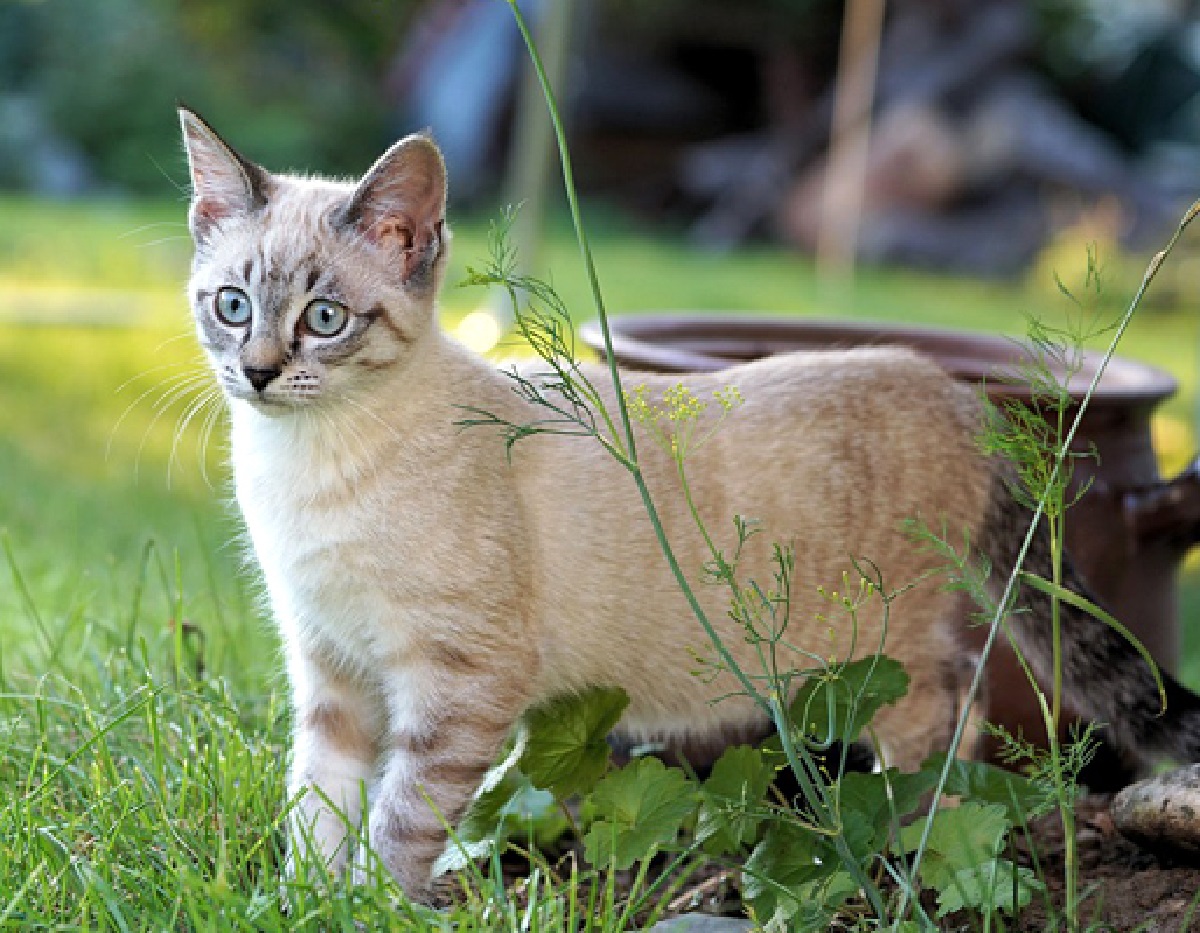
(210,210)
(393,232)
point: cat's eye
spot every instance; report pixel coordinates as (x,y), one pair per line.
(325,318)
(233,306)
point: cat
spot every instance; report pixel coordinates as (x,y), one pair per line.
(429,590)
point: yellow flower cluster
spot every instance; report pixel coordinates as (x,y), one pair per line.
(674,419)
(679,403)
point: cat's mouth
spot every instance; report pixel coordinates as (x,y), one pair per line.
(271,400)
(280,394)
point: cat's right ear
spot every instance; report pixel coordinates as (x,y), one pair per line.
(400,206)
(224,183)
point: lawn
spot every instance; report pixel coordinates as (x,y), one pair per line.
(142,722)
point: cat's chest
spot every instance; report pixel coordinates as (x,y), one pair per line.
(342,556)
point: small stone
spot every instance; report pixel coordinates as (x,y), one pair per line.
(1162,812)
(702,923)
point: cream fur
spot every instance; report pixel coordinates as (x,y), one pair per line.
(428,590)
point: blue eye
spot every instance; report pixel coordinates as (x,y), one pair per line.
(325,318)
(232,306)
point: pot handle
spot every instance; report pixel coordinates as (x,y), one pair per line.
(1169,511)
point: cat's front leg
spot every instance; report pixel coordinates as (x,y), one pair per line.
(448,722)
(337,724)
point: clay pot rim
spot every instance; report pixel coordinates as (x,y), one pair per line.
(691,342)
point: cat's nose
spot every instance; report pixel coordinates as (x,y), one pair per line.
(260,376)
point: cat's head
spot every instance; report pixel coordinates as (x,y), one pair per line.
(306,290)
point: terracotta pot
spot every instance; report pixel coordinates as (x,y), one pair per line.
(1127,535)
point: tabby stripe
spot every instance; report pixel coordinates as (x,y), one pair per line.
(379,313)
(341,729)
(416,742)
(453,768)
(453,658)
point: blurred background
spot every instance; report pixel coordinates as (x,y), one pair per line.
(946,162)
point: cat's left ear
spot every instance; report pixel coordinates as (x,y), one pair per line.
(400,205)
(224,183)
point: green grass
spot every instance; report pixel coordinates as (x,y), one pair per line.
(136,790)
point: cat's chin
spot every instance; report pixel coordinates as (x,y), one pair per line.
(274,407)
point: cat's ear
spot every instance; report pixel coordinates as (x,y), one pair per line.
(400,204)
(224,183)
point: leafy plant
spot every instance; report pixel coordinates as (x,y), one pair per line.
(1038,438)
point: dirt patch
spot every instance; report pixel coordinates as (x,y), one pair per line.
(1129,888)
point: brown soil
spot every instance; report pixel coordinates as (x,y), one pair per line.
(1128,887)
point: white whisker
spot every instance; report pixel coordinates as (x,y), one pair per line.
(160,407)
(151,226)
(210,422)
(164,386)
(195,406)
(180,336)
(145,374)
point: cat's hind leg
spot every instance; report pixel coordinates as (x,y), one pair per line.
(924,721)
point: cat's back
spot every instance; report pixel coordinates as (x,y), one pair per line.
(831,451)
(873,390)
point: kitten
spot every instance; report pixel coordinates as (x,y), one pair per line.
(429,591)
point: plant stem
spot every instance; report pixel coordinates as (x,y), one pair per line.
(1066,809)
(1040,510)
(774,710)
(577,220)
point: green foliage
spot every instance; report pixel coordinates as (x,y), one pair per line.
(837,702)
(567,749)
(963,859)
(787,880)
(1020,797)
(507,807)
(730,814)
(295,83)
(635,810)
(872,805)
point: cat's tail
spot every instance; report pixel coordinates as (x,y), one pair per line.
(1104,676)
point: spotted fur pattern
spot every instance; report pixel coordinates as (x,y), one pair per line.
(429,589)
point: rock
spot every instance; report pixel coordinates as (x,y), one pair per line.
(702,923)
(1162,812)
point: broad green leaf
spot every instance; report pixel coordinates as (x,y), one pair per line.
(567,748)
(960,837)
(836,704)
(477,831)
(510,808)
(984,783)
(781,869)
(971,830)
(861,834)
(881,800)
(637,809)
(988,887)
(732,798)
